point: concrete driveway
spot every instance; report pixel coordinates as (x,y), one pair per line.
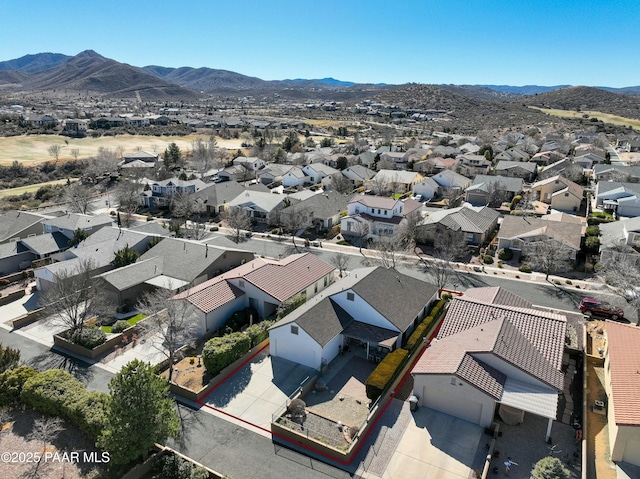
(435,445)
(259,389)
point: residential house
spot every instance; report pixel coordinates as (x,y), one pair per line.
(42,121)
(623,232)
(75,127)
(237,173)
(373,308)
(472,165)
(260,206)
(262,284)
(215,197)
(107,122)
(375,216)
(395,159)
(560,193)
(397,180)
(162,192)
(97,252)
(516,169)
(317,171)
(141,155)
(621,198)
(249,162)
(544,158)
(493,353)
(358,174)
(588,160)
(434,165)
(69,223)
(622,381)
(448,179)
(492,190)
(172,264)
(14,257)
(519,232)
(514,154)
(15,225)
(322,211)
(475,223)
(427,188)
(580,150)
(367,158)
(272,173)
(295,177)
(556,168)
(622,173)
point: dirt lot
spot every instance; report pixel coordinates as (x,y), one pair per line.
(21,462)
(32,149)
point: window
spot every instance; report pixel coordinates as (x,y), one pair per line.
(294,329)
(315,288)
(326,280)
(241,283)
(350,296)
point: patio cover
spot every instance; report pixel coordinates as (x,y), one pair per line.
(539,400)
(371,334)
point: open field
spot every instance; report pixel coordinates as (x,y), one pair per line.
(32,149)
(605,117)
(31,188)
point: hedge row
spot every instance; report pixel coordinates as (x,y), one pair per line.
(258,332)
(58,393)
(218,353)
(437,309)
(383,374)
(240,319)
(418,334)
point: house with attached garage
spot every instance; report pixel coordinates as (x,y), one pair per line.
(492,190)
(259,206)
(322,211)
(625,174)
(172,264)
(215,197)
(621,198)
(517,169)
(475,223)
(69,223)
(161,192)
(272,173)
(373,308)
(494,354)
(559,193)
(397,181)
(262,284)
(295,177)
(317,171)
(15,225)
(358,174)
(472,165)
(619,233)
(622,382)
(378,215)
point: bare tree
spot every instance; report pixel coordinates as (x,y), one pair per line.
(361,231)
(295,218)
(237,220)
(174,324)
(378,185)
(46,430)
(340,261)
(548,256)
(341,184)
(390,249)
(127,194)
(104,163)
(182,206)
(620,269)
(75,152)
(79,198)
(203,154)
(54,152)
(74,296)
(449,246)
(409,229)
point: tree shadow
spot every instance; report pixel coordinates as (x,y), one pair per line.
(53,360)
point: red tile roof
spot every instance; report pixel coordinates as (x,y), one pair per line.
(216,294)
(497,295)
(624,359)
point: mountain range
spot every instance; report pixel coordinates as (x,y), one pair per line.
(90,72)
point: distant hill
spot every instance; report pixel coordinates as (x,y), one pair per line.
(587,98)
(205,79)
(12,78)
(89,71)
(34,63)
(524,90)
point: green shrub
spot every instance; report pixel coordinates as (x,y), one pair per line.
(592,244)
(89,337)
(11,383)
(218,353)
(120,326)
(240,319)
(9,358)
(170,466)
(447,296)
(437,309)
(58,393)
(343,243)
(383,374)
(592,231)
(258,332)
(514,202)
(505,254)
(525,268)
(418,334)
(488,259)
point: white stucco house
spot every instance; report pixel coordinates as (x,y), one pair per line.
(494,351)
(263,284)
(375,308)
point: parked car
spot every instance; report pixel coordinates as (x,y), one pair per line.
(595,307)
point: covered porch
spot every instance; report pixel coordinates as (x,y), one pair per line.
(376,342)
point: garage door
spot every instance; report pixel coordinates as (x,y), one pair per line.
(632,451)
(450,404)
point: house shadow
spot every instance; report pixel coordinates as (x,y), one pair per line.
(34,302)
(228,390)
(289,376)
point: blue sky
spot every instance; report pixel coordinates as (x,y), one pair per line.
(518,42)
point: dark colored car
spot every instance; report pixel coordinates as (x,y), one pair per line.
(595,307)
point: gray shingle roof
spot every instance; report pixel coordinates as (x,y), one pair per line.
(13,222)
(73,221)
(47,243)
(396,296)
(520,227)
(497,295)
(323,205)
(484,182)
(325,321)
(465,218)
